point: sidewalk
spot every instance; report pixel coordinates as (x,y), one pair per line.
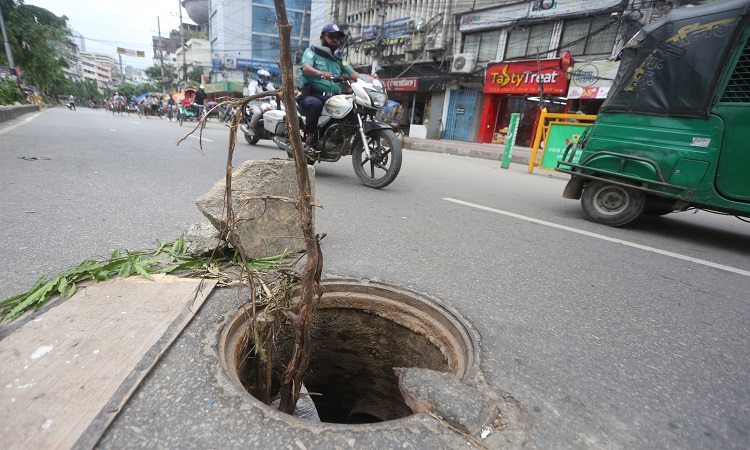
(520,155)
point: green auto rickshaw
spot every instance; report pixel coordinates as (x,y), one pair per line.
(674,131)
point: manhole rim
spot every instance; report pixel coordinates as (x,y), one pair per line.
(471,375)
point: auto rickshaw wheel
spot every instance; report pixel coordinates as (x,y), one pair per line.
(611,204)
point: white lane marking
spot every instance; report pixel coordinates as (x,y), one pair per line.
(21,122)
(606,238)
(203,139)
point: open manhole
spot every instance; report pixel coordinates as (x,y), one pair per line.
(361,331)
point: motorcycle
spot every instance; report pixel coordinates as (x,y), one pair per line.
(71,106)
(348,126)
(260,130)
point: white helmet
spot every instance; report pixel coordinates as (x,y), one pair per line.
(263,76)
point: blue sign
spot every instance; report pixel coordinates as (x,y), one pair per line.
(257,64)
(396,28)
(216,64)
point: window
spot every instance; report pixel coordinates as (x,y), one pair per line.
(483,45)
(530,41)
(590,36)
(738,88)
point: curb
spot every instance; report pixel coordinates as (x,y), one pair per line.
(495,156)
(13,112)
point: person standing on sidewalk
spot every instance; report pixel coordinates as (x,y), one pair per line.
(320,64)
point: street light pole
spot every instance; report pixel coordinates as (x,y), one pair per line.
(182,46)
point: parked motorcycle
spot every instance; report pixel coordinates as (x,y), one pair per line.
(347,126)
(260,130)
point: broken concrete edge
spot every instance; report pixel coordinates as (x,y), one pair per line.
(480,411)
(203,239)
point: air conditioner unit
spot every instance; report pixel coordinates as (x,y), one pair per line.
(463,63)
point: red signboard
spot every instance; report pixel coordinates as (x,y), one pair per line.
(523,78)
(400,84)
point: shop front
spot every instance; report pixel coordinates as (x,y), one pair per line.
(589,85)
(231,89)
(523,87)
(415,103)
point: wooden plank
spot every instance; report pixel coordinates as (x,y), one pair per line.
(66,373)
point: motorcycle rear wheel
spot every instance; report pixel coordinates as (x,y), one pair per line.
(252,140)
(384,163)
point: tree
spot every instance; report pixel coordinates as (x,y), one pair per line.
(196,75)
(37,39)
(170,75)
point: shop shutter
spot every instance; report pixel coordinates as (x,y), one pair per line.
(461,108)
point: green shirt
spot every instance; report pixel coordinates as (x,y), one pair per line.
(321,59)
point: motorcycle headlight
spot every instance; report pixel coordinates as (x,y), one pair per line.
(379,99)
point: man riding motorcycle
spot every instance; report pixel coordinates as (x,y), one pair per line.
(256,87)
(320,64)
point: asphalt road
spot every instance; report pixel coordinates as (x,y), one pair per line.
(609,338)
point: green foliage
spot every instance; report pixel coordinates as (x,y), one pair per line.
(170,75)
(195,75)
(46,35)
(168,258)
(9,92)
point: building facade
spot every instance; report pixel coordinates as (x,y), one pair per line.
(244,36)
(462,68)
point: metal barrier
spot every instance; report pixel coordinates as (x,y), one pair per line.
(13,111)
(543,132)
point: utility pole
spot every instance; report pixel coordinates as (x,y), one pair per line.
(182,45)
(161,53)
(9,52)
(379,47)
(122,72)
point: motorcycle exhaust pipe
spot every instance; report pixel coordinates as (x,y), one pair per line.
(243,128)
(282,143)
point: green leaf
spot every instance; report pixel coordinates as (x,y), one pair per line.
(126,269)
(184,265)
(73,289)
(142,271)
(115,254)
(161,247)
(62,286)
(8,302)
(38,296)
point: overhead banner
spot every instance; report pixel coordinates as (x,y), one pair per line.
(551,8)
(128,52)
(401,84)
(523,78)
(592,80)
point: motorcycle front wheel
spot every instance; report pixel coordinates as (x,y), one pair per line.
(384,163)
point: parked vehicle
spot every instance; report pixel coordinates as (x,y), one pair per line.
(347,126)
(259,132)
(673,132)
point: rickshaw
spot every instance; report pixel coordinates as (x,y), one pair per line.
(673,132)
(185,112)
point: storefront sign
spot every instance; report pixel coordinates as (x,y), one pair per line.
(460,110)
(391,29)
(522,78)
(592,80)
(550,8)
(400,84)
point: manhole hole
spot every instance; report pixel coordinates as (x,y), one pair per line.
(361,332)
